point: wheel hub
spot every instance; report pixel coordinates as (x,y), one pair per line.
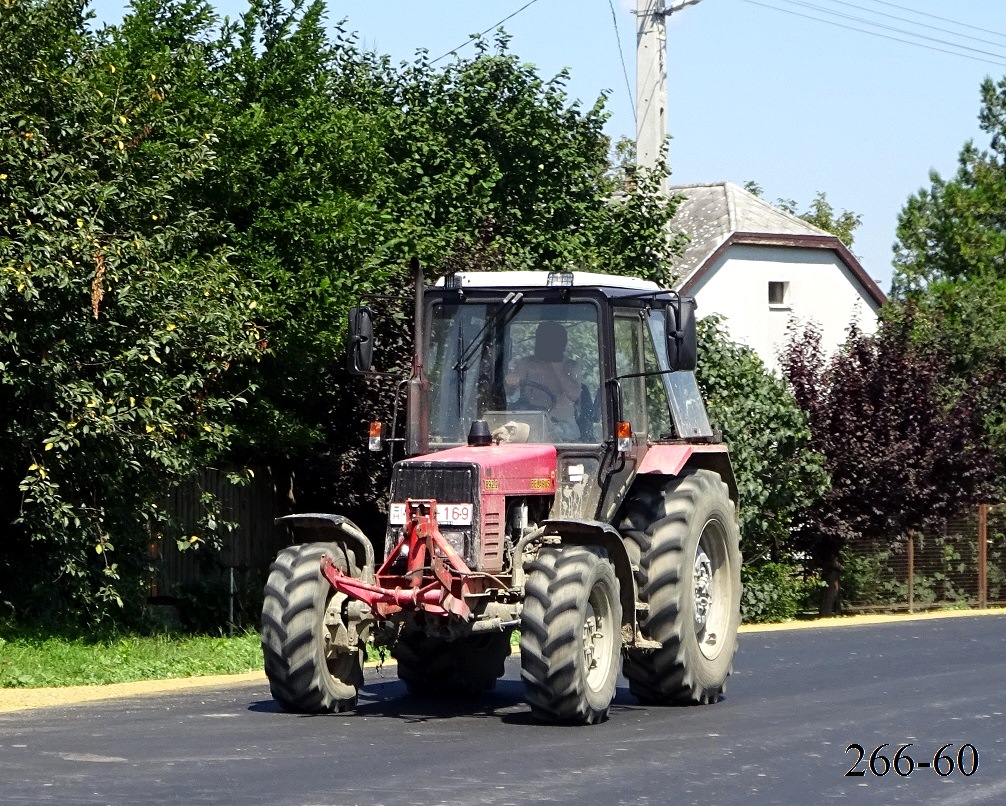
(597,643)
(703,575)
(590,638)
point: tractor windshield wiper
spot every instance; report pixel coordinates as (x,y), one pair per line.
(508,309)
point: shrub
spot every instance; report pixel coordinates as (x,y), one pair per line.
(775,592)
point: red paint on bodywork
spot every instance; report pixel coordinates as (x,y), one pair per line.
(670,460)
(513,466)
(504,470)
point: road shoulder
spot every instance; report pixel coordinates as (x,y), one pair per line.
(22,699)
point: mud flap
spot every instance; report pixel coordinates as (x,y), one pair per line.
(314,527)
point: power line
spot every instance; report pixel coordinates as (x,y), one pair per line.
(874,33)
(483,33)
(941,19)
(840,15)
(913,22)
(621,55)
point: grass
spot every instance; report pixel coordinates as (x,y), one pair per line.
(30,658)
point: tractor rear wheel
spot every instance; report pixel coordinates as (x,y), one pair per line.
(304,640)
(686,541)
(570,636)
(465,666)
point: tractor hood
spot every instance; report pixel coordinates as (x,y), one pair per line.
(504,469)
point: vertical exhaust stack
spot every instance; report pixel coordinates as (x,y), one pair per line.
(418,425)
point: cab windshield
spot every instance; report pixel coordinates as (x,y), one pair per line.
(530,369)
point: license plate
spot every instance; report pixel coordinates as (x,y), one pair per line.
(447,514)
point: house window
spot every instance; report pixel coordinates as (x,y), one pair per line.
(778,293)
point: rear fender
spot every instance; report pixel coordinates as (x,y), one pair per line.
(574,532)
(673,460)
(315,527)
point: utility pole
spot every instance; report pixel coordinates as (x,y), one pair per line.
(651,79)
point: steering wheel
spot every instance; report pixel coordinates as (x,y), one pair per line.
(538,387)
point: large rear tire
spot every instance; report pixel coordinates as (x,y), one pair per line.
(570,637)
(466,666)
(302,616)
(687,545)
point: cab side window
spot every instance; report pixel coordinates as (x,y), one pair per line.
(657,410)
(628,361)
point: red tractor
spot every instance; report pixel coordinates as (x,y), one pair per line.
(561,478)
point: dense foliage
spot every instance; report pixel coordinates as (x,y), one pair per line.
(120,315)
(949,263)
(188,208)
(777,469)
(902,443)
(776,592)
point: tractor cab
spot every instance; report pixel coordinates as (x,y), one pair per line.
(599,366)
(561,359)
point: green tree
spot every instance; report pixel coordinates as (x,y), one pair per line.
(778,472)
(949,262)
(956,228)
(479,165)
(119,315)
(487,141)
(822,215)
(301,183)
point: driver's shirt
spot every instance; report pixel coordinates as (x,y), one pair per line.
(561,378)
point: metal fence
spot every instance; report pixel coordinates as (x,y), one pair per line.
(963,566)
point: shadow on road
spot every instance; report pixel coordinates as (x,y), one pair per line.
(390,699)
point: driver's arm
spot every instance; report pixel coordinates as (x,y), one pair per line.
(569,379)
(516,375)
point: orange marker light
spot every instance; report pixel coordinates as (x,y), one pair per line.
(623,431)
(376,443)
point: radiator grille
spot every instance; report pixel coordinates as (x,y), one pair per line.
(448,484)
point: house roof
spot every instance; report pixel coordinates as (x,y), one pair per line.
(716,216)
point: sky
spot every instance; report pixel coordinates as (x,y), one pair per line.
(756,91)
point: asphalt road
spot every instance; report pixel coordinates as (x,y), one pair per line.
(796,702)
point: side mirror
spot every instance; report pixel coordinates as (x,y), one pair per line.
(360,341)
(679,329)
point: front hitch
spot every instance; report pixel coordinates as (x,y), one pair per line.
(436,578)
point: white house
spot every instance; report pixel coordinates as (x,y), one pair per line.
(759,267)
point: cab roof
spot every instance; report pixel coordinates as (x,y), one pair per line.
(544,279)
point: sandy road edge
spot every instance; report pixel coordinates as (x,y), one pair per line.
(21,699)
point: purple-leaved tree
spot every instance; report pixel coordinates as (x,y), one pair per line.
(903,440)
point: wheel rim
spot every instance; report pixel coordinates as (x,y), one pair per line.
(711,585)
(340,663)
(598,639)
(703,575)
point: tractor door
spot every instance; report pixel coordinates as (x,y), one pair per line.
(627,401)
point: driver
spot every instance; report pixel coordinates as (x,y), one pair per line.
(547,381)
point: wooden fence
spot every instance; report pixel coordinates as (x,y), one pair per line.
(229,580)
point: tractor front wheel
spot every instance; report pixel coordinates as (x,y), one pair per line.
(570,637)
(311,665)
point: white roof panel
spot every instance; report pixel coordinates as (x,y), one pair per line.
(534,279)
